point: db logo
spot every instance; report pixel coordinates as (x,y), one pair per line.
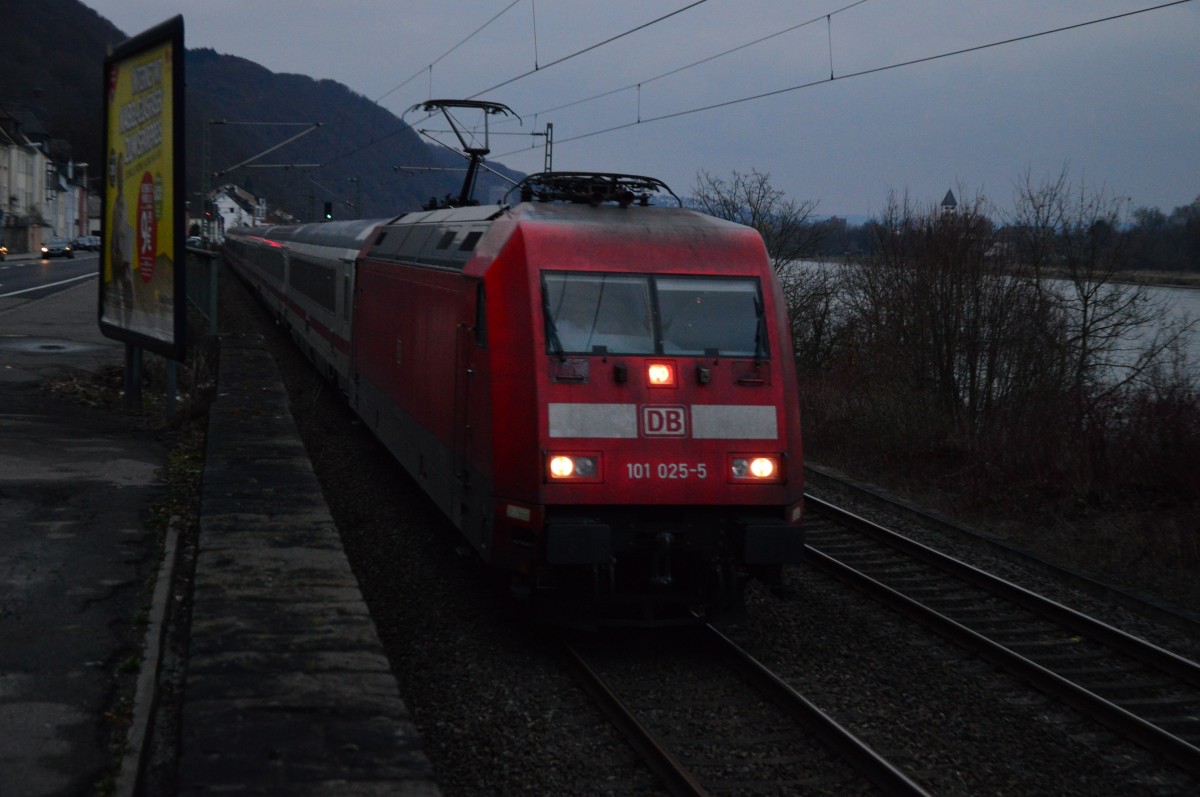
(664,421)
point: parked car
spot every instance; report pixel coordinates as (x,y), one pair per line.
(57,247)
(87,243)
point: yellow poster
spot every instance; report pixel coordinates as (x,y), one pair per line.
(139,249)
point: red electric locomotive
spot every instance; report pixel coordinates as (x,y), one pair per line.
(598,392)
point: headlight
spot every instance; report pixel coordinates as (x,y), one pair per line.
(755,468)
(573,467)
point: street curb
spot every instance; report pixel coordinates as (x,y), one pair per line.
(133,764)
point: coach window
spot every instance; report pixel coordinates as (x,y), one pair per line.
(469,242)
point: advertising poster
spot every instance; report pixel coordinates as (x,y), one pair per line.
(142,290)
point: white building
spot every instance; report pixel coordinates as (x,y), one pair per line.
(38,197)
(237,207)
(22,187)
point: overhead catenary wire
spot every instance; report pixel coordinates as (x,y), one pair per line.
(423,69)
(483,166)
(429,67)
(860,73)
(749,98)
(590,47)
(705,60)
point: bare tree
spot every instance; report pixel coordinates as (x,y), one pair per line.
(789,235)
(1115,333)
(815,311)
(940,319)
(785,224)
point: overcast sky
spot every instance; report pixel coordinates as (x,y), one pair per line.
(1118,103)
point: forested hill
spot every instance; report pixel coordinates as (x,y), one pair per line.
(359,143)
(51,63)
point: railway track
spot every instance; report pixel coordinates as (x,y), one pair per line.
(1070,577)
(1141,691)
(710,719)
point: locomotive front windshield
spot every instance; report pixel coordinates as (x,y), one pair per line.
(597,313)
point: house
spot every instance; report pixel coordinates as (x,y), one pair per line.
(234,206)
(22,188)
(41,196)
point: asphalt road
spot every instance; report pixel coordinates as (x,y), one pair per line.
(77,550)
(24,278)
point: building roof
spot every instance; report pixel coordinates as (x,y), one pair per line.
(243,198)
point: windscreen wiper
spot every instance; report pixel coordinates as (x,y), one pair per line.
(760,331)
(552,340)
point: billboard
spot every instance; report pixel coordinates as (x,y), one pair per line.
(143,298)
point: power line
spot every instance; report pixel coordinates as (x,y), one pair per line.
(367,145)
(762,95)
(510,80)
(861,73)
(589,48)
(435,61)
(706,60)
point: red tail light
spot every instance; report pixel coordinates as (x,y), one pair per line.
(660,374)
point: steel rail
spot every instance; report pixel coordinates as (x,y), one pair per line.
(677,780)
(1145,652)
(866,761)
(675,776)
(1146,606)
(1157,740)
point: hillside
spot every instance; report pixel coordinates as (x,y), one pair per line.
(52,64)
(357,139)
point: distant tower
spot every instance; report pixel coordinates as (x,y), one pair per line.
(949,203)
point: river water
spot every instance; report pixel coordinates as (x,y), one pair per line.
(1183,303)
(1178,304)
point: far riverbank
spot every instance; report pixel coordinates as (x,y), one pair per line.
(1163,279)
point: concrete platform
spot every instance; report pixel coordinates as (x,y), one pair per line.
(288,691)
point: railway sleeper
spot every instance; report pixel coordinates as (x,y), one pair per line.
(1132,693)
